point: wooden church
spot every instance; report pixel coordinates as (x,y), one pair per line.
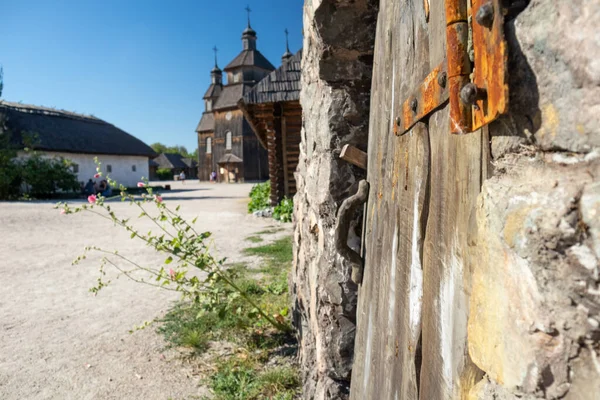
(274,112)
(227,144)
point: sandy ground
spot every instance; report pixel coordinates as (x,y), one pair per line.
(58,341)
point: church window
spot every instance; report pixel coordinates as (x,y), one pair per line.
(75,168)
(133,168)
(208,145)
(108,168)
(208,105)
(228,140)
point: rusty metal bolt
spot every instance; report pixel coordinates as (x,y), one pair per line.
(485,15)
(442,79)
(413,105)
(468,94)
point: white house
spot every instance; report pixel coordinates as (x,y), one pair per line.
(78,138)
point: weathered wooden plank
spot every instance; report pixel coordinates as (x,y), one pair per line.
(354,156)
(455,176)
(388,328)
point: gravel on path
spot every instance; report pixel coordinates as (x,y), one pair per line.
(58,341)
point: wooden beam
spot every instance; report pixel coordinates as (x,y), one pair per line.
(286,183)
(354,156)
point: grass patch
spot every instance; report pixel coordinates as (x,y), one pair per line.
(240,380)
(254,239)
(270,231)
(244,374)
(278,252)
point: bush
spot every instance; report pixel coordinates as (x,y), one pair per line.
(43,177)
(284,210)
(10,177)
(164,174)
(10,180)
(40,177)
(260,197)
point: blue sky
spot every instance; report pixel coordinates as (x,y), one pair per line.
(142,65)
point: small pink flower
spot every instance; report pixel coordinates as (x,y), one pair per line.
(92,199)
(141,184)
(158,198)
(97,176)
(63,211)
(172,273)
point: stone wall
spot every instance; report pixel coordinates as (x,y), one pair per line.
(537,248)
(336,78)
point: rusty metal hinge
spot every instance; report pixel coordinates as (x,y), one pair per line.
(478,90)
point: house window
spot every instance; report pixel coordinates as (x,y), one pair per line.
(75,168)
(108,168)
(208,145)
(133,168)
(228,140)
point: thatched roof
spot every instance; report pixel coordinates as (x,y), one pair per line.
(250,58)
(229,158)
(170,161)
(207,123)
(283,84)
(64,131)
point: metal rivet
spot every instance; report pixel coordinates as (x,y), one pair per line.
(398,121)
(413,105)
(468,94)
(485,15)
(442,79)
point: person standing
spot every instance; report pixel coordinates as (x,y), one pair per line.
(182,177)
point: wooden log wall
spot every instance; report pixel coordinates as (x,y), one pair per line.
(256,165)
(205,161)
(291,136)
(281,124)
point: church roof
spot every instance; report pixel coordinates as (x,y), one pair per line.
(229,158)
(207,122)
(250,58)
(213,90)
(283,84)
(65,131)
(230,95)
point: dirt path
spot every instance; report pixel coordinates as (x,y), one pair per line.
(58,341)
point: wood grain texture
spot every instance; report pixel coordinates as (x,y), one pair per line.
(389,300)
(413,304)
(354,156)
(455,181)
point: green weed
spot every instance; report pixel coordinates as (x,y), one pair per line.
(254,239)
(270,231)
(279,252)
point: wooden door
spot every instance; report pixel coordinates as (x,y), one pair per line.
(413,301)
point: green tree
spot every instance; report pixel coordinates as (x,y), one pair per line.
(162,148)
